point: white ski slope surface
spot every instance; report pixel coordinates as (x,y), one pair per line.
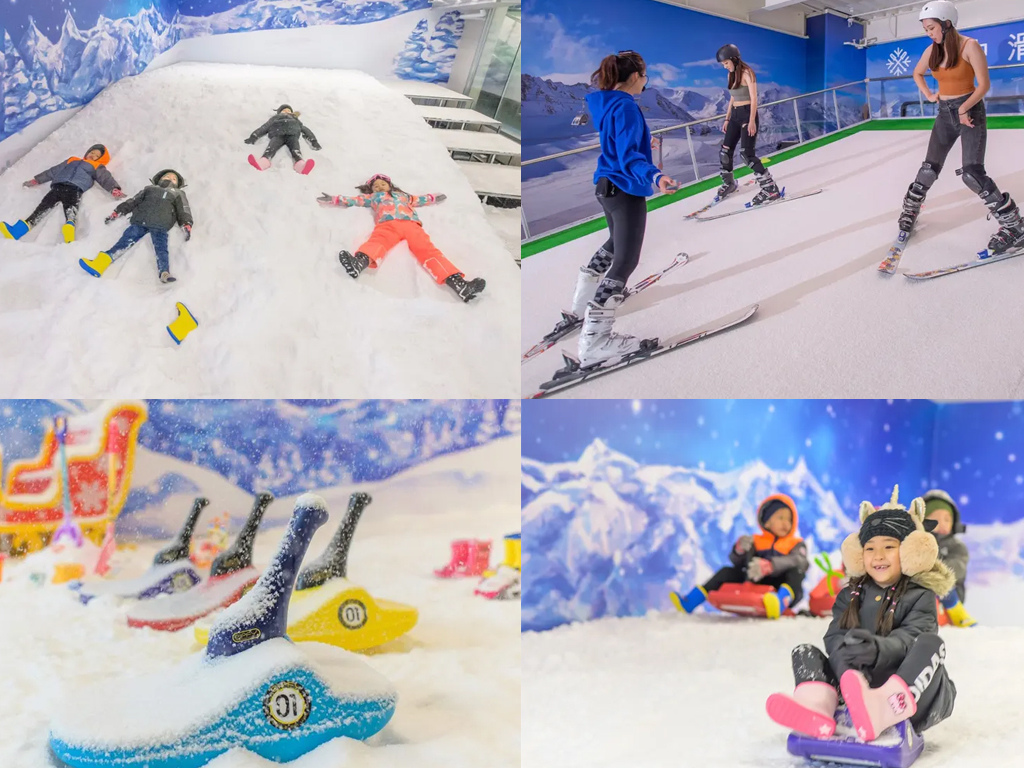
(675,690)
(456,671)
(829,324)
(277,314)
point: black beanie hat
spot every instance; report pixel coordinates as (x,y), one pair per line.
(769,509)
(284,106)
(896,523)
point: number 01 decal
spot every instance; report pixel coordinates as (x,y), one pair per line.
(286,705)
(352,614)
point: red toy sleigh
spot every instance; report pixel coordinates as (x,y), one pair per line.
(745,599)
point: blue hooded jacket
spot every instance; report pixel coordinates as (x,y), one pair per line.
(626,158)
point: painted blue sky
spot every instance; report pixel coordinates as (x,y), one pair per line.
(568,39)
(855,448)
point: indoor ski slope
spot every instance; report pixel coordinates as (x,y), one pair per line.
(456,671)
(676,690)
(828,323)
(277,314)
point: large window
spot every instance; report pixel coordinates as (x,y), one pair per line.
(499,95)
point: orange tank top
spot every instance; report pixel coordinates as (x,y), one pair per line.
(955,81)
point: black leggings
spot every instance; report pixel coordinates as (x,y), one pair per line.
(68,195)
(626,215)
(730,575)
(736,131)
(292,142)
(923,670)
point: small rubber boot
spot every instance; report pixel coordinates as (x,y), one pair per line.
(688,603)
(810,710)
(14,231)
(514,551)
(259,163)
(775,603)
(912,206)
(955,611)
(1011,228)
(98,265)
(181,327)
(467,290)
(479,559)
(598,344)
(728,186)
(68,230)
(457,564)
(769,190)
(354,265)
(587,281)
(304,166)
(872,710)
(167,277)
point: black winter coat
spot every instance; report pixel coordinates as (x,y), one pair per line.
(284,125)
(158,208)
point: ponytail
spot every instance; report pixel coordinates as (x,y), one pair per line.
(617,68)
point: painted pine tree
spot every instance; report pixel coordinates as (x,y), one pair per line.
(410,63)
(443,45)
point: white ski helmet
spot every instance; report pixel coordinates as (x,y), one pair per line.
(943,10)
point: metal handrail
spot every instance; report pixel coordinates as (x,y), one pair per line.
(865,82)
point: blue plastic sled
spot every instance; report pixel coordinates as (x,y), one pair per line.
(896,747)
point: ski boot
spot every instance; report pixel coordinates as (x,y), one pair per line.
(467,291)
(728,186)
(586,289)
(810,710)
(354,265)
(769,190)
(911,207)
(14,231)
(1011,229)
(598,344)
(167,277)
(97,266)
(690,600)
(68,230)
(872,710)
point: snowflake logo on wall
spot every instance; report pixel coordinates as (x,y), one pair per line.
(899,62)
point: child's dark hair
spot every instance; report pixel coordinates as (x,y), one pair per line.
(617,68)
(883,625)
(367,189)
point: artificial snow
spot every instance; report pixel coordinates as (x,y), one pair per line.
(674,690)
(277,314)
(829,322)
(130,587)
(456,672)
(196,602)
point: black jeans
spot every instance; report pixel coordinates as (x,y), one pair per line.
(276,142)
(626,215)
(948,129)
(923,670)
(68,195)
(736,131)
(731,575)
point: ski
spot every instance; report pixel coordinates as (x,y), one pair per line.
(570,322)
(892,259)
(716,201)
(748,207)
(984,257)
(573,375)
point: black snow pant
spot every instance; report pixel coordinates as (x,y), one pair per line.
(945,132)
(923,670)
(736,131)
(626,215)
(68,195)
(731,575)
(276,142)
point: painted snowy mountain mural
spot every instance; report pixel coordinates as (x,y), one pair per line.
(431,60)
(39,76)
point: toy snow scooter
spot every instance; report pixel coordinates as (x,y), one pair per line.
(896,747)
(172,570)
(327,608)
(231,576)
(252,688)
(506,582)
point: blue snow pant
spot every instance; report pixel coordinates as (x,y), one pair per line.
(133,234)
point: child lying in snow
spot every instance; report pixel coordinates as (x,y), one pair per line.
(68,182)
(154,211)
(777,557)
(284,128)
(396,220)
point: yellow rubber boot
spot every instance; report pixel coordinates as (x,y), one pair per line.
(514,552)
(68,231)
(777,602)
(183,325)
(96,267)
(959,616)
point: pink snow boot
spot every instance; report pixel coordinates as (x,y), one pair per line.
(304,166)
(872,710)
(479,558)
(260,164)
(457,565)
(810,710)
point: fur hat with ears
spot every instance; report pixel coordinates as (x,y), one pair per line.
(919,552)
